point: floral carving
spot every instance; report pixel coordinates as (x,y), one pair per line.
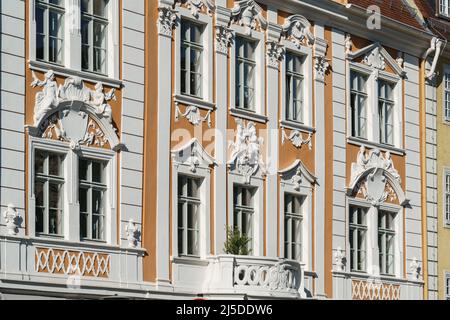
(321,65)
(224,37)
(275,53)
(297,139)
(133,233)
(192,114)
(167,19)
(12,220)
(197,5)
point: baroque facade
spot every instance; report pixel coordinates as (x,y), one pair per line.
(138,137)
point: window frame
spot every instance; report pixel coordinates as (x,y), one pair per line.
(306,53)
(446,215)
(444,4)
(357,228)
(71,220)
(259,112)
(198,201)
(372,255)
(72,44)
(445,118)
(385,254)
(60,10)
(373,121)
(92,19)
(206,100)
(446,285)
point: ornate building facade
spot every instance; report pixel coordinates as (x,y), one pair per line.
(139,137)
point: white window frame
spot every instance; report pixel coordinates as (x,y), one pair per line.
(446,285)
(249,235)
(206,101)
(71,219)
(372,253)
(373,128)
(72,43)
(444,8)
(366,249)
(286,187)
(445,102)
(258,203)
(306,52)
(446,215)
(259,113)
(204,175)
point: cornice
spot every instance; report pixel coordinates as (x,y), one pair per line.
(350,18)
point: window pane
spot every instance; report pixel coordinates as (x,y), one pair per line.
(40,34)
(97,172)
(84,225)
(97,204)
(39,220)
(39,193)
(55,222)
(55,195)
(55,165)
(97,227)
(83,200)
(100,8)
(83,169)
(39,161)
(85,8)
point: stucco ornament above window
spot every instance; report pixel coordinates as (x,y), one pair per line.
(193,154)
(197,5)
(12,220)
(74,113)
(374,177)
(298,175)
(246,157)
(376,57)
(297,28)
(249,15)
(133,233)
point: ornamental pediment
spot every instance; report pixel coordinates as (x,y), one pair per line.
(74,113)
(194,155)
(298,175)
(374,178)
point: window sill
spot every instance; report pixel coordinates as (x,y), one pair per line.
(292,125)
(66,72)
(193,101)
(248,115)
(370,144)
(383,278)
(190,260)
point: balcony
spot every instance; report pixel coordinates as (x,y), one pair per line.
(225,276)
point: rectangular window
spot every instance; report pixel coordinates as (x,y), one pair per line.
(447,96)
(293,219)
(444,7)
(447,286)
(94,31)
(357,238)
(447,198)
(188,216)
(48,192)
(49,17)
(294,88)
(244,212)
(245,73)
(191,58)
(386,111)
(386,241)
(358,104)
(92,191)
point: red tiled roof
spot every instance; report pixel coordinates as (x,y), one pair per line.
(395,9)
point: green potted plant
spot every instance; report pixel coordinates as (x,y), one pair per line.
(237,242)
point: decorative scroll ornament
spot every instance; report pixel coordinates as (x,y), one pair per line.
(275,53)
(340,260)
(246,155)
(224,37)
(196,6)
(192,114)
(133,233)
(248,14)
(12,220)
(375,59)
(415,270)
(321,66)
(297,139)
(297,28)
(370,175)
(167,19)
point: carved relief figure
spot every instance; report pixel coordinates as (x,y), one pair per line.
(48,98)
(99,100)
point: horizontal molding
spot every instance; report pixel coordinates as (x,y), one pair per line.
(248,115)
(192,101)
(370,144)
(66,72)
